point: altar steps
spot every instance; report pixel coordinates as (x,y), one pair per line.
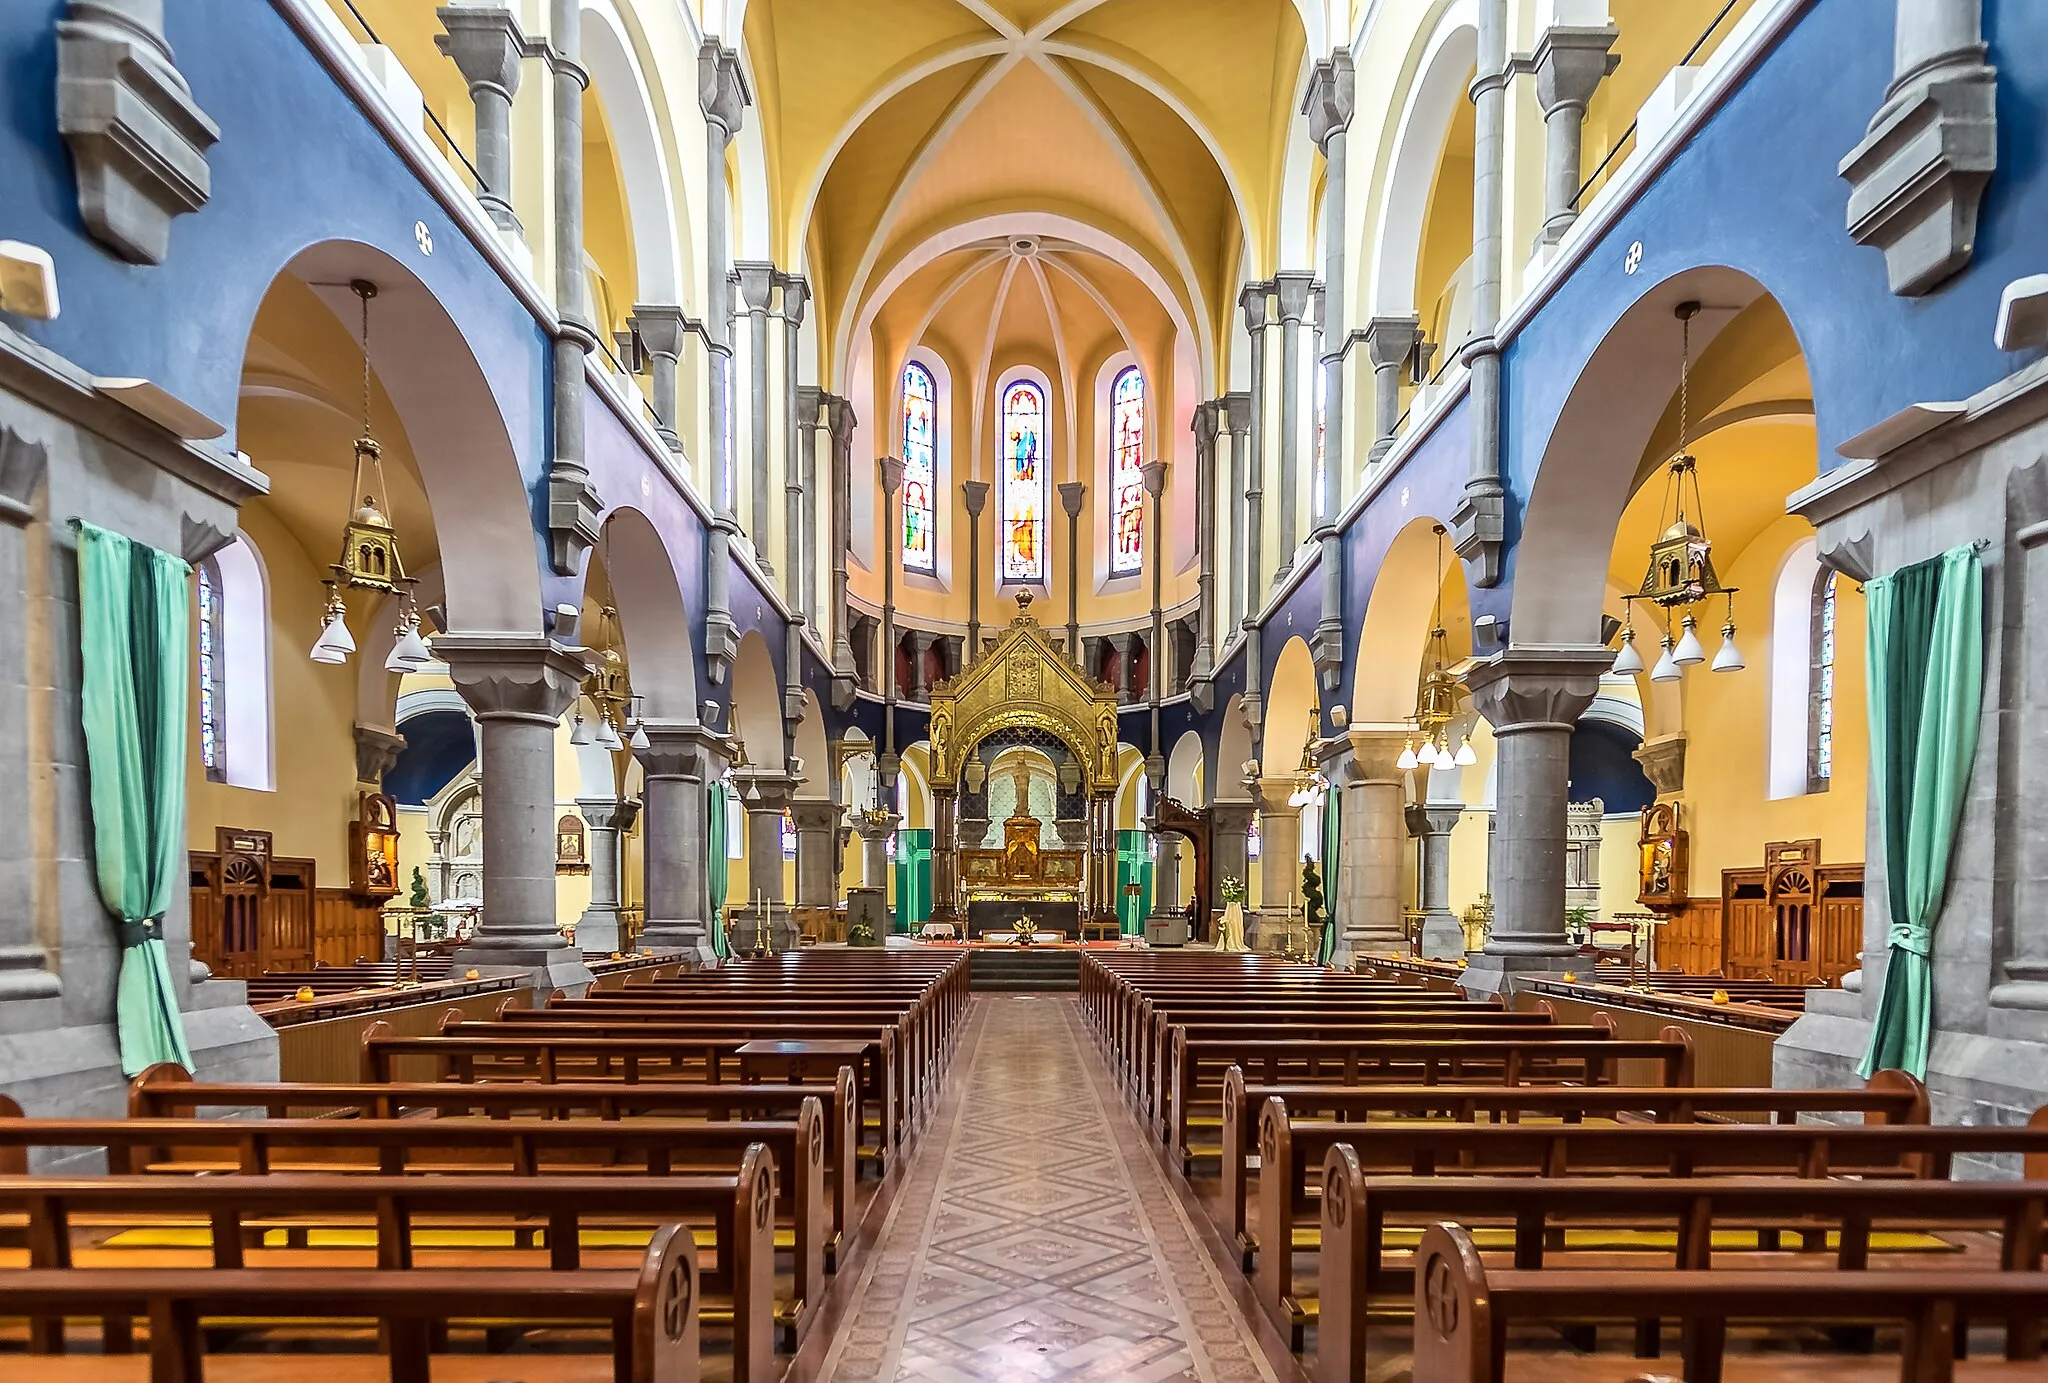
(1022,971)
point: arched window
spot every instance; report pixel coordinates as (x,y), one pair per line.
(1820,738)
(1126,479)
(920,468)
(1024,468)
(213,685)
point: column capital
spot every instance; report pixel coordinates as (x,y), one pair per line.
(810,405)
(1072,493)
(1237,411)
(814,814)
(512,676)
(1531,688)
(484,42)
(660,327)
(377,750)
(683,749)
(609,813)
(891,468)
(1292,288)
(1153,473)
(1443,817)
(839,416)
(796,293)
(975,494)
(1255,299)
(1330,99)
(1368,753)
(1207,422)
(764,789)
(756,279)
(1568,64)
(1390,340)
(1663,761)
(1273,793)
(874,825)
(722,87)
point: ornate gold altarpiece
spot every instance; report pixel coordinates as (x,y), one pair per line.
(1024,682)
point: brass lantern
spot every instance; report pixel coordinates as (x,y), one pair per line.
(1681,572)
(609,687)
(1437,692)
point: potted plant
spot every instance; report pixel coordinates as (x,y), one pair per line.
(861,934)
(1578,925)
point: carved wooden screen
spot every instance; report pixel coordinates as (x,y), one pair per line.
(251,912)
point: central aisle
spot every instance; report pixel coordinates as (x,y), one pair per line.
(1037,1236)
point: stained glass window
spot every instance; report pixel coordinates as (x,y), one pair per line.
(1821,765)
(213,751)
(920,468)
(1024,466)
(1126,483)
(788,836)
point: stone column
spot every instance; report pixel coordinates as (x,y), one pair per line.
(1237,420)
(810,404)
(574,506)
(660,329)
(1329,103)
(1230,820)
(599,931)
(1122,644)
(1072,493)
(1443,935)
(517,686)
(1207,416)
(1569,62)
(1373,842)
(486,46)
(920,646)
(975,494)
(817,823)
(796,292)
(891,470)
(840,420)
(1256,301)
(1480,518)
(1279,847)
(1292,290)
(874,829)
(680,765)
(1919,172)
(945,847)
(722,94)
(1167,904)
(764,794)
(24,972)
(757,280)
(1389,342)
(1532,698)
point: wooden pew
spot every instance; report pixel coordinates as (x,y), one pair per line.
(237,1208)
(1152,1015)
(1463,1309)
(651,1311)
(1357,1208)
(1888,1097)
(471,1147)
(1540,1056)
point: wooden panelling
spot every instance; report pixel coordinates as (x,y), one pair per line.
(330,1051)
(1691,940)
(346,929)
(1721,1055)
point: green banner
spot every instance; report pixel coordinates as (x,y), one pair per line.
(913,878)
(1133,865)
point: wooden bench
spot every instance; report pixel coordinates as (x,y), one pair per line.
(237,1209)
(1463,1309)
(1537,1211)
(1887,1097)
(1130,1052)
(652,1311)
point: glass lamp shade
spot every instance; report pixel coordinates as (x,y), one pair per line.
(336,643)
(1729,658)
(608,738)
(1465,757)
(1667,669)
(410,653)
(639,739)
(579,733)
(1433,756)
(1628,662)
(1689,650)
(1407,759)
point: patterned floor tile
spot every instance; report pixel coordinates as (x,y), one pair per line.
(1036,1239)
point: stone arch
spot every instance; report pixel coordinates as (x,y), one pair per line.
(652,198)
(1186,782)
(1396,627)
(1233,751)
(652,617)
(1448,58)
(1291,701)
(757,702)
(1593,455)
(813,752)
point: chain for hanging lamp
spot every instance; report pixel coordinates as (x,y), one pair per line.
(1437,691)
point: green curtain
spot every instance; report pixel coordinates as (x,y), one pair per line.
(1925,669)
(135,610)
(716,863)
(1333,836)
(913,877)
(1133,865)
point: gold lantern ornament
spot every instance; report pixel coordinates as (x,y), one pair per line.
(609,687)
(1680,576)
(1436,693)
(370,559)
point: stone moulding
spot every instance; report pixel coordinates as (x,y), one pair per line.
(138,140)
(1916,178)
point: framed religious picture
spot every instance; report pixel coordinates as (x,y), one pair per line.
(373,848)
(571,857)
(1661,851)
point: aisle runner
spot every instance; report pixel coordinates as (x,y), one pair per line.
(1037,1239)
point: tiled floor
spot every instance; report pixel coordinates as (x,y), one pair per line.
(1037,1237)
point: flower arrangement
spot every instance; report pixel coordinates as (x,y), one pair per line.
(860,934)
(1234,891)
(1025,929)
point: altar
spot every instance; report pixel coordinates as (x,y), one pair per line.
(1057,919)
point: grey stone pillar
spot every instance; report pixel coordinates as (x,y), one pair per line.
(1167,902)
(1328,104)
(757,290)
(1292,291)
(1919,172)
(486,46)
(517,686)
(1373,841)
(1122,644)
(1569,63)
(945,852)
(138,140)
(1532,698)
(660,329)
(679,766)
(874,829)
(809,415)
(1443,935)
(1389,343)
(817,823)
(1279,846)
(1256,301)
(1480,517)
(840,421)
(574,506)
(974,493)
(891,469)
(1230,820)
(1237,420)
(1072,493)
(764,794)
(1207,417)
(722,94)
(796,292)
(599,931)
(24,972)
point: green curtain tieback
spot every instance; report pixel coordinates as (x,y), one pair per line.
(1907,937)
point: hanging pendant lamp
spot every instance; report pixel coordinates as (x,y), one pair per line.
(1628,662)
